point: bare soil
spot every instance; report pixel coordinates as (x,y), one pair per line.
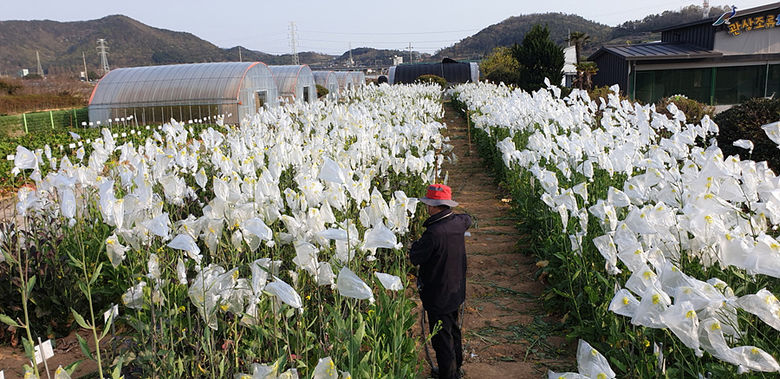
(505,331)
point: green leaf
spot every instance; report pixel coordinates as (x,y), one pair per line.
(8,321)
(96,274)
(76,262)
(84,347)
(117,372)
(361,331)
(83,289)
(73,366)
(31,284)
(29,351)
(80,320)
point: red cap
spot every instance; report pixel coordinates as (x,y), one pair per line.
(439,194)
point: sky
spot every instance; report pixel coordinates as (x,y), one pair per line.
(333,26)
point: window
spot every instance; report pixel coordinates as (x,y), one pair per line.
(734,85)
(652,86)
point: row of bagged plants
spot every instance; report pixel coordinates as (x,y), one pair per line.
(662,252)
(268,250)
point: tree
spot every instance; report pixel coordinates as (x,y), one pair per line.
(578,39)
(500,66)
(539,58)
(585,72)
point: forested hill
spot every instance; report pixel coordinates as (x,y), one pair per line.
(512,30)
(131,43)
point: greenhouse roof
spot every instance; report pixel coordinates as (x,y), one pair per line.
(198,83)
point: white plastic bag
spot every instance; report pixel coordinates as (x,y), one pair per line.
(624,303)
(134,297)
(257,227)
(25,159)
(390,282)
(115,250)
(284,293)
(591,363)
(755,359)
(159,225)
(763,304)
(331,172)
(350,285)
(380,236)
(325,275)
(682,320)
(325,369)
(186,243)
(654,302)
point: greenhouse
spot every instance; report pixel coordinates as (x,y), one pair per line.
(328,80)
(184,92)
(358,78)
(295,83)
(348,79)
(450,70)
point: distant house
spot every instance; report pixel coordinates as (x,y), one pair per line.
(569,66)
(717,65)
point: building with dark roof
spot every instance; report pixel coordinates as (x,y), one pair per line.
(717,65)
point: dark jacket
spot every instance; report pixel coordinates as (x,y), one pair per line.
(441,254)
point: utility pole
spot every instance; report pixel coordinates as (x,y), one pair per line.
(103,53)
(706,8)
(86,73)
(351,61)
(40,69)
(410,52)
(292,44)
(239,54)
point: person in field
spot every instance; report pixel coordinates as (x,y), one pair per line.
(441,254)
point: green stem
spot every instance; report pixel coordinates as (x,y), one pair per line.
(23,277)
(89,300)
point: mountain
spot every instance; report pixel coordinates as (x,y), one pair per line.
(513,29)
(131,43)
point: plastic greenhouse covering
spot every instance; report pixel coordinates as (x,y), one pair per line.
(453,72)
(184,92)
(295,83)
(328,80)
(348,79)
(358,78)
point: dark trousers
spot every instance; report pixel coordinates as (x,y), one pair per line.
(447,344)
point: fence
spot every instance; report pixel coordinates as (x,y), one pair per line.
(39,122)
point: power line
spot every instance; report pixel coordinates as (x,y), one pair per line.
(394,33)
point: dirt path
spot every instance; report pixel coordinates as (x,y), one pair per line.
(506,333)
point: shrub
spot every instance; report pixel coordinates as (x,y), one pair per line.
(603,92)
(744,121)
(694,111)
(502,75)
(428,78)
(321,91)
